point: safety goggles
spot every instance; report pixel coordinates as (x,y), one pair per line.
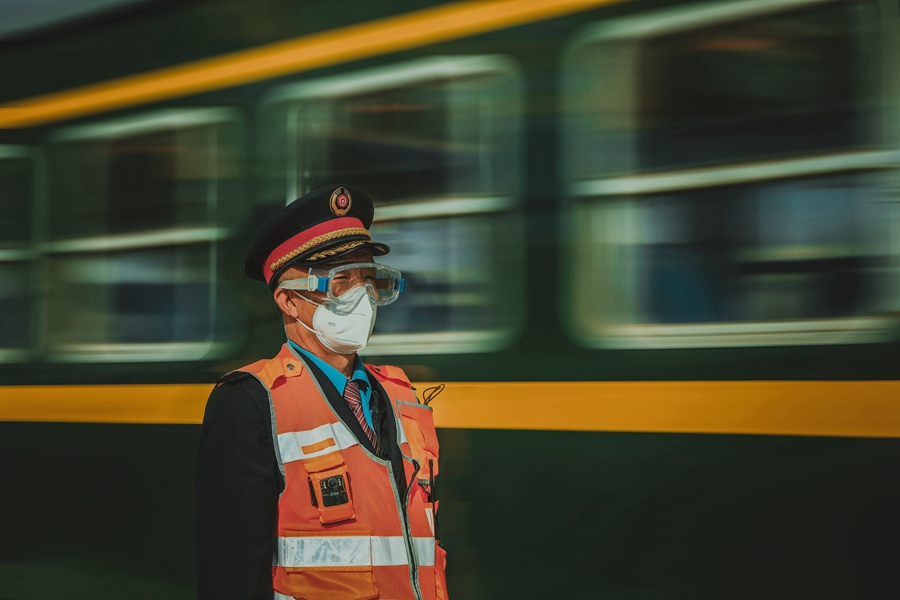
(382,283)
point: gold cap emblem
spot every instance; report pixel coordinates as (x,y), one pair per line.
(340,201)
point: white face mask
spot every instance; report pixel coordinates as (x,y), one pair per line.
(344,326)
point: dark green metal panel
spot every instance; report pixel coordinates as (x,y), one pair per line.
(106,511)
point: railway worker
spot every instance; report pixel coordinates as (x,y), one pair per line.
(315,472)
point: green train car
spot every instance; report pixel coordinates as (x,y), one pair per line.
(651,249)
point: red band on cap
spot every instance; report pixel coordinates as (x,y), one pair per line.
(308,237)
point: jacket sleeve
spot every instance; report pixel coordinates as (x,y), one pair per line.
(238,483)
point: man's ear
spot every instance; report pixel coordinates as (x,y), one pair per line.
(284,300)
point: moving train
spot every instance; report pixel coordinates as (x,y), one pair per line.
(650,248)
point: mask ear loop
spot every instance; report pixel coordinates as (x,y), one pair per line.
(314,303)
(305,299)
(311,330)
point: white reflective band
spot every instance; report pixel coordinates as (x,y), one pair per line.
(290,444)
(330,551)
(429,513)
(351,551)
(280,596)
(389,551)
(401,433)
(424,551)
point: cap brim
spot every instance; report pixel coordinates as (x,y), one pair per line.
(322,255)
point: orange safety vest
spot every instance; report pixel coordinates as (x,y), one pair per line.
(344,529)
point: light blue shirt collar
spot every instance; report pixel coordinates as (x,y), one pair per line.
(339,381)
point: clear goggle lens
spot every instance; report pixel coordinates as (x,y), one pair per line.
(382,283)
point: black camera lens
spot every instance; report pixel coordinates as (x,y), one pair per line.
(332,482)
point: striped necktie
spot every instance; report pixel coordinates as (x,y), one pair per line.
(351,395)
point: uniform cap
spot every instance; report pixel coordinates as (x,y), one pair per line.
(316,228)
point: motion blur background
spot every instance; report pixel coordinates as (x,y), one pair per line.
(583,191)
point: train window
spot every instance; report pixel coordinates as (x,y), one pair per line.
(453,291)
(396,137)
(436,143)
(17,256)
(716,89)
(732,185)
(133,229)
(140,296)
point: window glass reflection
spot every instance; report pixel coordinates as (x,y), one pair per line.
(396,139)
(434,138)
(784,250)
(142,296)
(17,304)
(16,196)
(17,267)
(449,285)
(147,181)
(779,85)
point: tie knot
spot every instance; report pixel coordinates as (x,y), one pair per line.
(354,401)
(351,393)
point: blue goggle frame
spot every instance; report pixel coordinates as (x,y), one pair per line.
(384,285)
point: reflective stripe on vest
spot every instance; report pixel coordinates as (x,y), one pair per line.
(351,551)
(300,445)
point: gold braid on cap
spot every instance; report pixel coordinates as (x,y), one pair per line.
(321,239)
(335,250)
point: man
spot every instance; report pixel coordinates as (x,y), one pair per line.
(315,473)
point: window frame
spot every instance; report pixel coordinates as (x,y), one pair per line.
(396,75)
(618,190)
(171,119)
(29,252)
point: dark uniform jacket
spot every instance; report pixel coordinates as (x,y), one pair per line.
(238,482)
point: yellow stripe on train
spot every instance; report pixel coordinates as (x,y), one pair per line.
(816,408)
(374,38)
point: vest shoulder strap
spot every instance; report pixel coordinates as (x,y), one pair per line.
(254,367)
(389,373)
(270,370)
